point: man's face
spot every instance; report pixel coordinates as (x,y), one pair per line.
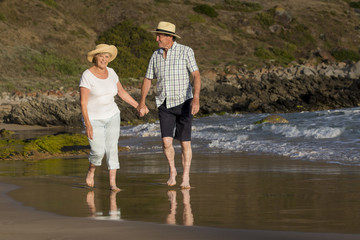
(164,41)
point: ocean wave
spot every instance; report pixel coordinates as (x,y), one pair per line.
(290,131)
(142,130)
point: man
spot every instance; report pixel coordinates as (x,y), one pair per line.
(172,64)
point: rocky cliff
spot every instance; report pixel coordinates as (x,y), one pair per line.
(268,90)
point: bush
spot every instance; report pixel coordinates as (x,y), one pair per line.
(50,3)
(281,56)
(266,18)
(162,1)
(234,5)
(135,47)
(263,53)
(299,35)
(206,10)
(341,54)
(48,64)
(354,4)
(196,18)
(2,17)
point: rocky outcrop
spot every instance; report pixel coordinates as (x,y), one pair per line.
(58,109)
(268,90)
(45,112)
(274,119)
(274,89)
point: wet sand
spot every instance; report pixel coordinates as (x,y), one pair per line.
(18,223)
(259,197)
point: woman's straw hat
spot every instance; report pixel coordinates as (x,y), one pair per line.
(102,48)
(166,28)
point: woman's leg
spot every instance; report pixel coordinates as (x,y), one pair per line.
(112,133)
(112,179)
(97,150)
(90,175)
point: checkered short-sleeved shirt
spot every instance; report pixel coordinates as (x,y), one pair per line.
(172,74)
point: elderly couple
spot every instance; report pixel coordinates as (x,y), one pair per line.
(177,102)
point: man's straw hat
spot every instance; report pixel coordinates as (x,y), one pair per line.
(166,28)
(103,48)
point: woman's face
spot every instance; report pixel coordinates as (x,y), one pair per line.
(102,59)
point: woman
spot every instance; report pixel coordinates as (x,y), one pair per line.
(98,86)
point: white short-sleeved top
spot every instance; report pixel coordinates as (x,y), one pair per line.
(101,104)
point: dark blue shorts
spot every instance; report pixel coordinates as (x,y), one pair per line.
(178,118)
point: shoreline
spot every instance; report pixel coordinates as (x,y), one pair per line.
(19,222)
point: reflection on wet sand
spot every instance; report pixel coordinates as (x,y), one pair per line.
(188,217)
(114,212)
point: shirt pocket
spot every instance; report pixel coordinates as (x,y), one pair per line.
(177,66)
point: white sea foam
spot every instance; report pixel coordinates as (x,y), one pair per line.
(143,130)
(317,133)
(331,136)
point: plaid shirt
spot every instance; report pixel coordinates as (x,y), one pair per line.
(172,74)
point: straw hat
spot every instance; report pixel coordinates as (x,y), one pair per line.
(102,48)
(166,28)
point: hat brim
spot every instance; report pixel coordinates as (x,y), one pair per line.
(108,49)
(166,33)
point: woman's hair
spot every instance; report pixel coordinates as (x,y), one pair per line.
(96,55)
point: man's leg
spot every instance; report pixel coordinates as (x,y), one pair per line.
(169,152)
(186,162)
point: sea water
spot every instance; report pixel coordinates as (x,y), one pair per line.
(239,176)
(330,136)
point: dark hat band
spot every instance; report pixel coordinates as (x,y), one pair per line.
(161,30)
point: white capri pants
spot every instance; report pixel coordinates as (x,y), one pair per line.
(105,140)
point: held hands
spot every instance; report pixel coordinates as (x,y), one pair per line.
(143,110)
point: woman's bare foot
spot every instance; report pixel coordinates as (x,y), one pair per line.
(90,176)
(172,178)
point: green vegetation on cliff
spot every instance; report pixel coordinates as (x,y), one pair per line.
(242,6)
(44,42)
(206,10)
(135,47)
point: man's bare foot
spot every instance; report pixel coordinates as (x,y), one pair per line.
(188,217)
(186,182)
(91,202)
(90,178)
(115,189)
(172,178)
